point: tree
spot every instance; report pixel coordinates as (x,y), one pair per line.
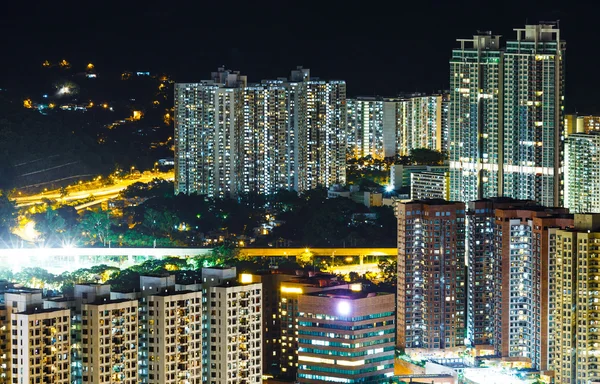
(50,224)
(389,271)
(424,156)
(96,225)
(8,214)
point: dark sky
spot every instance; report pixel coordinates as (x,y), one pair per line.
(377,47)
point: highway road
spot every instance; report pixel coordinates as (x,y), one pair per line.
(98,193)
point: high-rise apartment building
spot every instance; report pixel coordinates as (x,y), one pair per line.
(582,172)
(524,243)
(231,137)
(431,300)
(420,122)
(372,127)
(385,127)
(505,116)
(474,118)
(174,337)
(271,294)
(482,264)
(581,124)
(109,341)
(41,340)
(346,337)
(208,127)
(577,312)
(232,334)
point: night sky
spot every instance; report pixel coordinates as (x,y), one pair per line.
(379,48)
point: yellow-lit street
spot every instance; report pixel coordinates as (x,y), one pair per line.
(99,194)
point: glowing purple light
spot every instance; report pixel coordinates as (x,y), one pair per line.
(343,308)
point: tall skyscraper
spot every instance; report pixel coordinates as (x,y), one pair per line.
(505,116)
(482,264)
(577,312)
(582,172)
(474,118)
(231,137)
(345,337)
(431,300)
(208,126)
(533,98)
(523,255)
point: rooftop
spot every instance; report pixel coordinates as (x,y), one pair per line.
(347,294)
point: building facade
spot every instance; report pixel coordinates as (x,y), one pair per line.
(110,341)
(429,185)
(232,138)
(523,257)
(431,299)
(345,336)
(576,325)
(582,172)
(386,127)
(506,116)
(482,264)
(41,340)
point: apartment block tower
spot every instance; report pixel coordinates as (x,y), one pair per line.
(506,116)
(171,332)
(41,340)
(420,122)
(431,299)
(345,336)
(481,236)
(523,280)
(232,137)
(576,313)
(208,124)
(110,341)
(232,336)
(582,172)
(385,127)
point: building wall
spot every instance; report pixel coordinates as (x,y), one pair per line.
(42,341)
(110,341)
(345,338)
(582,173)
(431,299)
(522,281)
(174,338)
(235,338)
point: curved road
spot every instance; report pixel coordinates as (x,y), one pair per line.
(100,194)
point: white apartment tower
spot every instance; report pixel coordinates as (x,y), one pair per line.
(231,137)
(506,116)
(208,120)
(582,172)
(41,340)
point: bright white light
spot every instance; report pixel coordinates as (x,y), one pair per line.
(64,90)
(343,308)
(389,188)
